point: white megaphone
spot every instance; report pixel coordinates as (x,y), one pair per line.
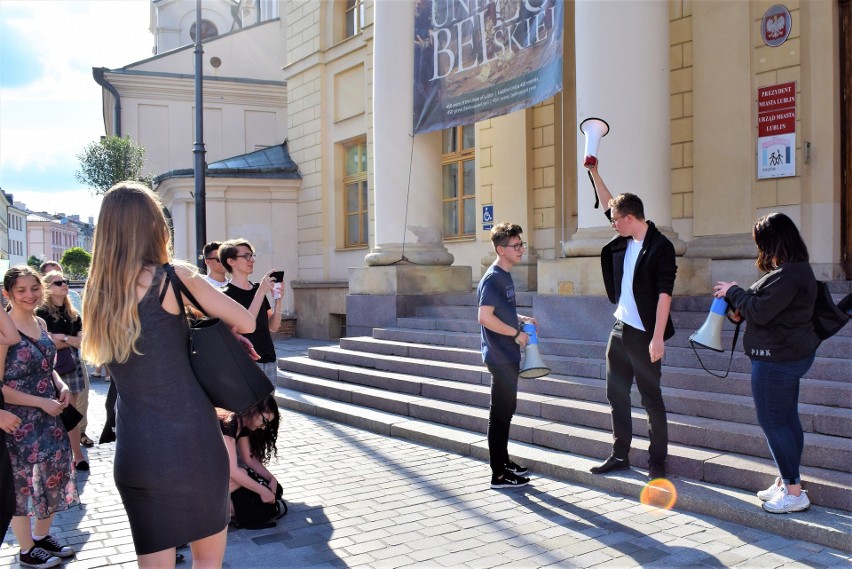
(594,129)
(533,365)
(710,333)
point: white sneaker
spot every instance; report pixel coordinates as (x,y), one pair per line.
(785,503)
(771,492)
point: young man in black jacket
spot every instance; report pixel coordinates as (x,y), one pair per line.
(639,273)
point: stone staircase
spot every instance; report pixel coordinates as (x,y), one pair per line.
(428,369)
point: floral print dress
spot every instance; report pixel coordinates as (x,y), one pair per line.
(39,449)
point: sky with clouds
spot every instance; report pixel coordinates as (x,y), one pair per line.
(50,106)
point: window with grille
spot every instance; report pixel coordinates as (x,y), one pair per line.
(458,153)
(355,195)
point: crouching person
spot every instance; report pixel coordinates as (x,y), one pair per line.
(251,438)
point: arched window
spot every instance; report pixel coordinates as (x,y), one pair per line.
(208,30)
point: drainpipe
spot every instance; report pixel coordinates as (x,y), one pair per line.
(98,74)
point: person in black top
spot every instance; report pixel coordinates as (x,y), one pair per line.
(781,342)
(639,271)
(251,438)
(66,330)
(238,257)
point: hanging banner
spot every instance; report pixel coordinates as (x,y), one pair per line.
(477,59)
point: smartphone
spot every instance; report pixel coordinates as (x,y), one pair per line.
(277,275)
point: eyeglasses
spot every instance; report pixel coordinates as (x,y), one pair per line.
(613,220)
(248,256)
(517,246)
(59,283)
(212,259)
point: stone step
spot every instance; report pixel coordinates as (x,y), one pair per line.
(813,390)
(696,387)
(838,346)
(431,364)
(726,422)
(826,487)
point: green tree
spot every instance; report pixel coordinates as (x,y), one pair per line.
(34,262)
(77,261)
(110,160)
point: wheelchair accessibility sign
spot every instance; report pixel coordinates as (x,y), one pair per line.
(487,217)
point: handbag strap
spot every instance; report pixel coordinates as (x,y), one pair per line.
(43,356)
(179,288)
(730,361)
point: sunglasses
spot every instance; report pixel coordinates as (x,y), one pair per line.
(59,283)
(264,422)
(212,259)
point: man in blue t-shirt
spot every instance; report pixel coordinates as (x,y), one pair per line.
(502,340)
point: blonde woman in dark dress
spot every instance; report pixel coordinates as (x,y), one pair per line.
(171,465)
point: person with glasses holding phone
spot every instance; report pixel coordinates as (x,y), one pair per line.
(639,274)
(238,257)
(216,274)
(502,342)
(251,438)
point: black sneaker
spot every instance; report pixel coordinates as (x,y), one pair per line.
(509,480)
(516,469)
(38,558)
(656,471)
(53,547)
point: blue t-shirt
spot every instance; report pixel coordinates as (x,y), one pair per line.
(498,290)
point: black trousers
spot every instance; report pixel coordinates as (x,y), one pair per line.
(504,401)
(627,357)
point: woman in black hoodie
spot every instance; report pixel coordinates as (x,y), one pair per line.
(781,343)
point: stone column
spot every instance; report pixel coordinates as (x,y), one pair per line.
(622,77)
(622,69)
(404,198)
(408,257)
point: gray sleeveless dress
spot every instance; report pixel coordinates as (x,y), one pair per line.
(171,465)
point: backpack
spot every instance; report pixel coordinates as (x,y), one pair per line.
(250,512)
(828,317)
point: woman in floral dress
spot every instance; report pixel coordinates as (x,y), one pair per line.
(39,448)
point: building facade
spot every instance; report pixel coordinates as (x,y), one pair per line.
(18,250)
(381,214)
(48,238)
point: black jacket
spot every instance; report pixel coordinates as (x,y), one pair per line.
(778,310)
(655,273)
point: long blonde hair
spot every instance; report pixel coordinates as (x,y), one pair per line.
(57,312)
(131,233)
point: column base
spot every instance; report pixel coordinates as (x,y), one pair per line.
(410,253)
(588,241)
(524,274)
(581,276)
(407,279)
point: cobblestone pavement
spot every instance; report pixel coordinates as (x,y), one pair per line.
(358,499)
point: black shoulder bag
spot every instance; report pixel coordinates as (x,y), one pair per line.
(221,365)
(828,317)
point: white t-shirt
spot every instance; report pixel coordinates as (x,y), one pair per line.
(627,311)
(214,282)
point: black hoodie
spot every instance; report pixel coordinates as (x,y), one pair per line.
(778,310)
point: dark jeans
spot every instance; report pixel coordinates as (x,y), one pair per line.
(775,388)
(504,401)
(627,357)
